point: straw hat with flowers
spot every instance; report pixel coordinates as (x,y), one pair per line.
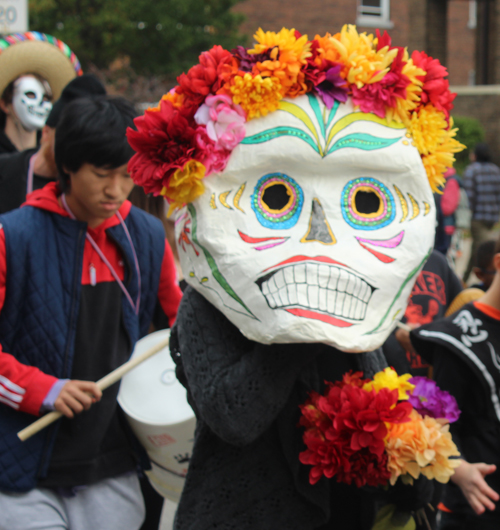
(37,53)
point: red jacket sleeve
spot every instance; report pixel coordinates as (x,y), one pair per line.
(22,387)
(169,292)
(450,197)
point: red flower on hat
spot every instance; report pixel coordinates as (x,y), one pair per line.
(436,88)
(164,142)
(203,78)
(375,97)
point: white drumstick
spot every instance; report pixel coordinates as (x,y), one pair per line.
(405,327)
(103,383)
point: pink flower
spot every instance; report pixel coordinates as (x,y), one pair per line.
(224,120)
(214,157)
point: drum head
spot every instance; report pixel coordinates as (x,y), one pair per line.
(151,393)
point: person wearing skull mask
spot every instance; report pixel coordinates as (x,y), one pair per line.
(302,176)
(34,68)
(26,103)
(31,169)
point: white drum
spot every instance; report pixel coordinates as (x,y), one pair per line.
(157,409)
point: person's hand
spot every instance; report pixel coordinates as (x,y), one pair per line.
(403,337)
(77,396)
(470,479)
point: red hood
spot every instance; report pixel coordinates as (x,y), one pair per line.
(46,198)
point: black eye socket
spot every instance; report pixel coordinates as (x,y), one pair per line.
(367,202)
(276,196)
(31,95)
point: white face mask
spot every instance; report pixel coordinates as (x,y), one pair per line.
(315,231)
(31,102)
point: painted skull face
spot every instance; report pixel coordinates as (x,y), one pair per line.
(316,229)
(31,102)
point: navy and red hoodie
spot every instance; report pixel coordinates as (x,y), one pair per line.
(95,444)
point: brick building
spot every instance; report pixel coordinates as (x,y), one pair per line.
(463,34)
(444,29)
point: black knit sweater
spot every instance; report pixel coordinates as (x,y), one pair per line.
(245,473)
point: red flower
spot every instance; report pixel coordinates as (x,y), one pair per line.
(203,78)
(383,40)
(436,88)
(164,142)
(345,431)
(376,97)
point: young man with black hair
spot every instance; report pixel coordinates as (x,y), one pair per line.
(81,272)
(464,350)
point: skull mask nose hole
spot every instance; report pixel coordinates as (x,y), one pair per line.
(276,197)
(367,202)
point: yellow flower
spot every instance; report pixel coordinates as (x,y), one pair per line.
(428,128)
(390,379)
(257,96)
(435,141)
(422,445)
(185,185)
(288,55)
(363,64)
(285,40)
(404,107)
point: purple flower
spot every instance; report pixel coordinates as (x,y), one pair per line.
(248,60)
(429,400)
(333,88)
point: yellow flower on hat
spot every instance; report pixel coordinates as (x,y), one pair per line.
(435,141)
(185,185)
(256,95)
(363,64)
(404,107)
(391,380)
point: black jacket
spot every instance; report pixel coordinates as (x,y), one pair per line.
(14,177)
(245,471)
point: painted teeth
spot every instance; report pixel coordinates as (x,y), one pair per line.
(318,287)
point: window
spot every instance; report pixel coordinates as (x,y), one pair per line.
(472,22)
(374,13)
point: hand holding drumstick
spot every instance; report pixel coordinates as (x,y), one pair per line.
(77,396)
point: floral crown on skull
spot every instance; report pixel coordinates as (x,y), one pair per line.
(195,127)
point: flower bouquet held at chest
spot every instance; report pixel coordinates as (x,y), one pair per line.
(374,431)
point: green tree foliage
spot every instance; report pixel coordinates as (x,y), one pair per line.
(470,132)
(159,36)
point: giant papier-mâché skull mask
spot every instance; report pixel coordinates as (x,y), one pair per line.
(315,227)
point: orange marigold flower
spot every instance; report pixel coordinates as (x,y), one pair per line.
(185,185)
(326,50)
(256,95)
(287,56)
(422,445)
(176,99)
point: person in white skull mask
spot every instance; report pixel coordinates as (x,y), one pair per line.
(301,172)
(26,102)
(34,68)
